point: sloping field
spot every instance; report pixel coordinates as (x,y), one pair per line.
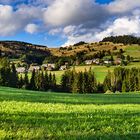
(33,115)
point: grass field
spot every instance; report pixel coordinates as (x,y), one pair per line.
(33,115)
(133,51)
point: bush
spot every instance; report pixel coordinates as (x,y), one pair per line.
(108,92)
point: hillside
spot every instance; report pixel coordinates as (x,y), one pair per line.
(24,51)
(17,48)
(87,48)
(31,53)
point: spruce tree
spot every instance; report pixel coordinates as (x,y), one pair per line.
(107,82)
(32,81)
(13,77)
(26,81)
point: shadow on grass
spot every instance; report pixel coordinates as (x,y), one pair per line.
(68,98)
(11,94)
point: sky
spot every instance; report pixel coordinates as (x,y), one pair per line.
(56,23)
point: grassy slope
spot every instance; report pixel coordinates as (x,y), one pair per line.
(38,115)
(101,71)
(133,51)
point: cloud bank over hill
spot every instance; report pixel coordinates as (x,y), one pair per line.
(75,20)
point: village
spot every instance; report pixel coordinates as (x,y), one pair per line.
(52,66)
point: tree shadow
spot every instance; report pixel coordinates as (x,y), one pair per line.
(45,97)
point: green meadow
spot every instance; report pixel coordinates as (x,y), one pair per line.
(36,115)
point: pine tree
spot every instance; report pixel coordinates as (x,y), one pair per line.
(92,84)
(53,81)
(42,82)
(124,86)
(13,77)
(80,81)
(20,82)
(107,82)
(46,81)
(32,81)
(26,81)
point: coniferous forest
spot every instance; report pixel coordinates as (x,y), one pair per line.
(121,80)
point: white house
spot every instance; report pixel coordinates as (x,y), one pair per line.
(64,67)
(51,65)
(21,70)
(36,68)
(48,66)
(88,62)
(107,62)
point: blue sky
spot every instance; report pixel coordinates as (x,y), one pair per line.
(64,22)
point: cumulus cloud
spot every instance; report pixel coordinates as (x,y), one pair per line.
(31,28)
(12,21)
(123,6)
(77,20)
(8,25)
(67,12)
(55,31)
(121,26)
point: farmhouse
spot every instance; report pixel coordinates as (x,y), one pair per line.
(48,66)
(21,70)
(96,61)
(51,65)
(64,67)
(118,61)
(107,62)
(36,68)
(88,62)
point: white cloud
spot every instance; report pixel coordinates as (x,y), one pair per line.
(74,20)
(88,37)
(55,31)
(123,6)
(67,12)
(12,21)
(76,34)
(121,26)
(8,25)
(31,28)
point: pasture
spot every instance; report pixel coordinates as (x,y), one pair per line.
(45,115)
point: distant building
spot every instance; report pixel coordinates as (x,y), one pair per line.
(36,68)
(107,62)
(51,65)
(64,67)
(48,66)
(88,62)
(96,61)
(21,70)
(118,61)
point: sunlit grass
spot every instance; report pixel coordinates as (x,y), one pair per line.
(44,115)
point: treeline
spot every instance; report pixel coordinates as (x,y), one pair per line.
(123,80)
(79,82)
(39,80)
(125,39)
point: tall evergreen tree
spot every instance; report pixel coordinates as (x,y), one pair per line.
(32,81)
(107,82)
(26,81)
(13,77)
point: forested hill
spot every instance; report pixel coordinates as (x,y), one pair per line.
(125,39)
(23,50)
